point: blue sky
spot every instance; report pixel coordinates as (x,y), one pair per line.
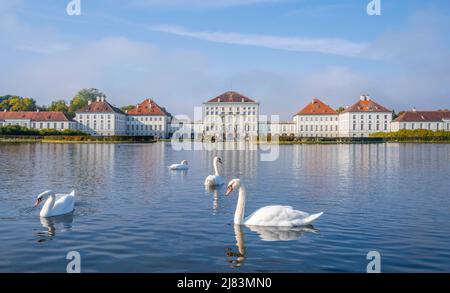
(183,52)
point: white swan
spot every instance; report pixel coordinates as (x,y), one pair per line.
(55,207)
(216,179)
(182,166)
(284,216)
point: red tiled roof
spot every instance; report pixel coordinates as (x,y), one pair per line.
(148,107)
(317,107)
(366,105)
(100,107)
(34,116)
(423,116)
(231,97)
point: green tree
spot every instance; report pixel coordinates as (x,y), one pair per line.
(395,115)
(126,108)
(16,103)
(81,99)
(340,109)
(58,106)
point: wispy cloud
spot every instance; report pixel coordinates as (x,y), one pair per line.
(299,44)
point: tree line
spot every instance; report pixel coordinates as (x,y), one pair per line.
(80,100)
(414,135)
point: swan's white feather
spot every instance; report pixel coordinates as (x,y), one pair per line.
(278,215)
(178,167)
(64,204)
(213,180)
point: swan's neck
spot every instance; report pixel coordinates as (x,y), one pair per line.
(48,205)
(216,168)
(240,207)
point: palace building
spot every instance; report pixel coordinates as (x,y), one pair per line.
(37,120)
(148,119)
(317,119)
(100,118)
(430,120)
(231,116)
(363,118)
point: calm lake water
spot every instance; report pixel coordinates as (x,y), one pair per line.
(134,215)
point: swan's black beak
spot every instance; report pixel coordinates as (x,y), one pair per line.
(229,190)
(37,202)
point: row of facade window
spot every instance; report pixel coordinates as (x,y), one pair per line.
(422,126)
(229,119)
(230,128)
(369,127)
(319,118)
(369,116)
(144,118)
(230,108)
(101,116)
(94,126)
(318,128)
(230,113)
(144,127)
(40,125)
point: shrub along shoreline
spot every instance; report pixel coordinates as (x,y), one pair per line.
(417,135)
(15,133)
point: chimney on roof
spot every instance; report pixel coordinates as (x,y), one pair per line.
(243,100)
(218,100)
(102,98)
(5,110)
(414,109)
(89,102)
(37,110)
(365,97)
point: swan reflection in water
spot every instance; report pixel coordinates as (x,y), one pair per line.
(214,190)
(237,257)
(53,225)
(282,233)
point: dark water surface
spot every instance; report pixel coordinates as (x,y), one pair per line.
(134,215)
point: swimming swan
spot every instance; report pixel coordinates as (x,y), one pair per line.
(182,166)
(284,216)
(216,179)
(52,207)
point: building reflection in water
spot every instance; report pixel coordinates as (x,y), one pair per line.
(238,159)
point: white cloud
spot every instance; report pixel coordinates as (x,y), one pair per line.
(300,44)
(125,70)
